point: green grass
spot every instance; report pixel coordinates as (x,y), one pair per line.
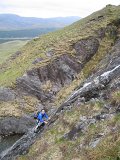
(59,41)
(9,48)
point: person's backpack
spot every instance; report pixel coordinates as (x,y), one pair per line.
(36,115)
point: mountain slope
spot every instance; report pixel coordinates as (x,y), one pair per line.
(15,22)
(74,73)
(8,48)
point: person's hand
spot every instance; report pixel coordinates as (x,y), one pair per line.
(49,118)
(45,122)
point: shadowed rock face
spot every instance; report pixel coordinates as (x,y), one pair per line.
(59,72)
(86,48)
(6,94)
(13,125)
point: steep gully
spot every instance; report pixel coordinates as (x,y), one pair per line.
(90,88)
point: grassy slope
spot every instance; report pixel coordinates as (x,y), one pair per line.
(9,48)
(60,41)
(50,145)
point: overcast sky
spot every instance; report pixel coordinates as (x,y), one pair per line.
(53,8)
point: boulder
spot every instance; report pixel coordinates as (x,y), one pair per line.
(13,125)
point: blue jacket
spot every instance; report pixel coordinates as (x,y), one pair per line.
(42,116)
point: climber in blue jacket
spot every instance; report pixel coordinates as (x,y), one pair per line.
(42,119)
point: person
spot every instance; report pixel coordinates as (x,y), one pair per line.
(42,119)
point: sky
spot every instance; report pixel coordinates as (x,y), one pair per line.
(53,8)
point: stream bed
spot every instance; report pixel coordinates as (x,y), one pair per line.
(6,142)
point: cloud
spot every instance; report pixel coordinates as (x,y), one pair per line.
(53,8)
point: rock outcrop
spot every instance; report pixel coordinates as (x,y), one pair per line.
(88,90)
(13,125)
(6,94)
(59,72)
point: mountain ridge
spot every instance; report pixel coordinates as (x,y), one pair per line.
(15,22)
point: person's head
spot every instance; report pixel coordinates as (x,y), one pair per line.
(43,111)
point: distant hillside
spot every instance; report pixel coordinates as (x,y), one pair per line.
(9,48)
(15,22)
(23,34)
